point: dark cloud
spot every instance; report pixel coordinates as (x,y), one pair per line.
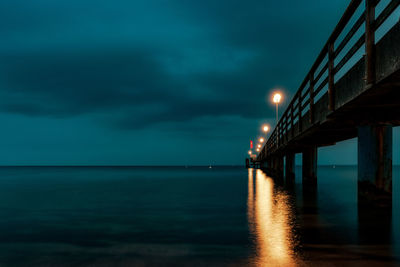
(132,83)
(194,60)
(74,83)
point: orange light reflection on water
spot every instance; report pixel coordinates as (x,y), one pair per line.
(270,222)
(250,201)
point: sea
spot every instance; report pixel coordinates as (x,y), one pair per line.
(191,216)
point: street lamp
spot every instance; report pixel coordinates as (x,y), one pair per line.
(277,97)
(265,128)
(250,152)
(258,146)
(258,150)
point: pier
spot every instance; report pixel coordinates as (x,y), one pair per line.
(344,96)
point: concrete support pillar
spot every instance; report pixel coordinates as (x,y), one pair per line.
(290,165)
(282,165)
(277,166)
(273,165)
(264,165)
(279,170)
(310,165)
(375,164)
(276,163)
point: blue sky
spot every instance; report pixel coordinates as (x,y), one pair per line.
(151,82)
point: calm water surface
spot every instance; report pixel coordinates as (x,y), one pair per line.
(196,216)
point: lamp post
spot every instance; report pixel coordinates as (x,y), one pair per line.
(277,99)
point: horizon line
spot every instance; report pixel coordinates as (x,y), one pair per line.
(183,165)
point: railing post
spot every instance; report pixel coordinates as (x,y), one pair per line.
(283,129)
(286,129)
(370,41)
(312,97)
(280,135)
(300,104)
(331,77)
(292,120)
(277,137)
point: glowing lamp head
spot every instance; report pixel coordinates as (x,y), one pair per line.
(258,150)
(261,140)
(265,128)
(277,98)
(249,152)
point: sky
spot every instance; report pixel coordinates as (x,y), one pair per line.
(152,82)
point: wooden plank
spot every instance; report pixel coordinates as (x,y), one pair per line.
(311,98)
(324,68)
(299,113)
(322,85)
(349,54)
(386,13)
(331,78)
(350,34)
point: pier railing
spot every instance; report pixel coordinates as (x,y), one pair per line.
(356,29)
